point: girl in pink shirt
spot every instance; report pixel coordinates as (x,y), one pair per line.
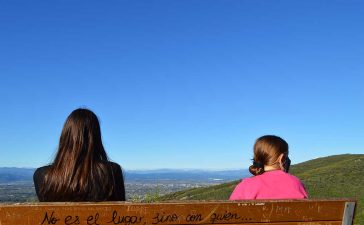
(271,179)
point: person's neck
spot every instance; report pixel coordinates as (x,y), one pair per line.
(271,168)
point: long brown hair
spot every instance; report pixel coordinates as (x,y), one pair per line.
(267,150)
(80,171)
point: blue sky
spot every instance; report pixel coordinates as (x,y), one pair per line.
(182,84)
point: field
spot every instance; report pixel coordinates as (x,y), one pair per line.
(328,177)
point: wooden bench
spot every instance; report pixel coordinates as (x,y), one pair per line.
(277,212)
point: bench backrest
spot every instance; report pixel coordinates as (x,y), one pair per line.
(282,212)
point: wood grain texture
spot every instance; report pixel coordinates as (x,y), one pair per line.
(284,212)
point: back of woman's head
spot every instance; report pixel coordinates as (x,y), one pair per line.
(81,138)
(80,170)
(267,150)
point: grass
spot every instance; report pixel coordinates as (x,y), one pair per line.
(328,177)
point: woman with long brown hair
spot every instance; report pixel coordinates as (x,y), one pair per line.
(271,179)
(81,170)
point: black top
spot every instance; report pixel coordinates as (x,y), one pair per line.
(119,189)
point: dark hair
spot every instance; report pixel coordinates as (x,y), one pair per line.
(80,171)
(267,150)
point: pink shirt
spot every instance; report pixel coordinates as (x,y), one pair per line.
(275,184)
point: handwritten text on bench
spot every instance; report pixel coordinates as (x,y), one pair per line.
(117,218)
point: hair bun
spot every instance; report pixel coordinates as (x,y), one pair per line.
(257,168)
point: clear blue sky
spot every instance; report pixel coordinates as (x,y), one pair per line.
(183,83)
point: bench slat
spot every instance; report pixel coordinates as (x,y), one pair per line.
(284,212)
(290,223)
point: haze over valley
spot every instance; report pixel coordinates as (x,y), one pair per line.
(16,184)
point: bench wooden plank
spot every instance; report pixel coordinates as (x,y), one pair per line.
(290,223)
(283,212)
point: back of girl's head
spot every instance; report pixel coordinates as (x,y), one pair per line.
(267,150)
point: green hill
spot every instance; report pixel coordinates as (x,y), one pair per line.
(327,177)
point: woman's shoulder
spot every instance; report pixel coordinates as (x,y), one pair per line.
(115,168)
(41,170)
(114,165)
(38,177)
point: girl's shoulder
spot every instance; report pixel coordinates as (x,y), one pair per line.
(283,178)
(245,189)
(274,176)
(292,177)
(253,180)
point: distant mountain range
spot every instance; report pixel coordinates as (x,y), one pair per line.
(184,175)
(15,175)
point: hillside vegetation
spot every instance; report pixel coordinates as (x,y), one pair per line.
(328,177)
